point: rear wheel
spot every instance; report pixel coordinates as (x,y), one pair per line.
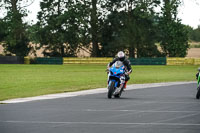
(111,89)
(198,93)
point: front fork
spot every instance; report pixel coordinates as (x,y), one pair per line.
(109,82)
(122,82)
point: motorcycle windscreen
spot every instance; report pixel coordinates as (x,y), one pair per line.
(118,64)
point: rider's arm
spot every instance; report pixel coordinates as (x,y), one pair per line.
(128,65)
(112,62)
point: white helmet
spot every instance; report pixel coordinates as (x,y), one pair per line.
(121,55)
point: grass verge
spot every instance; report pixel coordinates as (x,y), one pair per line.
(33,80)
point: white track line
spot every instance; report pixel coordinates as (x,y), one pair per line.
(141,111)
(93,91)
(179,117)
(101,123)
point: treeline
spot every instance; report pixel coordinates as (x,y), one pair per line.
(104,27)
(194,34)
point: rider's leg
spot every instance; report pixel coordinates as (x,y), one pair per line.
(126,80)
(125,84)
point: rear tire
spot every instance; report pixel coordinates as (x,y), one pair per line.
(111,89)
(198,93)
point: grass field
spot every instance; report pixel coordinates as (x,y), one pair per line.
(33,80)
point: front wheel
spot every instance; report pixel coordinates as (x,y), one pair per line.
(198,93)
(117,95)
(111,89)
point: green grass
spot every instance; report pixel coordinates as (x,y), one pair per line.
(33,80)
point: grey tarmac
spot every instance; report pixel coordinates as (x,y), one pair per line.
(147,108)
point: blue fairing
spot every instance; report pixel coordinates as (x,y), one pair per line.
(115,74)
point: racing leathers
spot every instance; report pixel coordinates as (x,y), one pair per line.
(127,65)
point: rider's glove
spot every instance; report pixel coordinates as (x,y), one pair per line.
(108,66)
(129,72)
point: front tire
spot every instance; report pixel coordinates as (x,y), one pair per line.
(111,89)
(117,96)
(198,93)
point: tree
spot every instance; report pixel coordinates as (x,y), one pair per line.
(174,35)
(141,28)
(2,30)
(15,41)
(96,18)
(110,33)
(94,29)
(62,26)
(131,25)
(195,34)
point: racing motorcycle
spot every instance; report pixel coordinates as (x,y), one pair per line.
(116,79)
(198,85)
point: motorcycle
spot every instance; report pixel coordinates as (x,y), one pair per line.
(198,85)
(116,79)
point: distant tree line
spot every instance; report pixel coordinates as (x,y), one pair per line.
(102,26)
(194,33)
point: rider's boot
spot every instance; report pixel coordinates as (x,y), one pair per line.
(125,84)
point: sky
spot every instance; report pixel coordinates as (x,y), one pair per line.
(189,12)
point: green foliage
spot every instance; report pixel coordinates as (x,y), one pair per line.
(110,32)
(195,34)
(189,30)
(109,26)
(2,30)
(61,26)
(173,34)
(15,38)
(174,39)
(133,28)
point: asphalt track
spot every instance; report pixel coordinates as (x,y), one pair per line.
(152,110)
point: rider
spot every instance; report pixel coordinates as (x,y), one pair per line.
(197,75)
(121,57)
